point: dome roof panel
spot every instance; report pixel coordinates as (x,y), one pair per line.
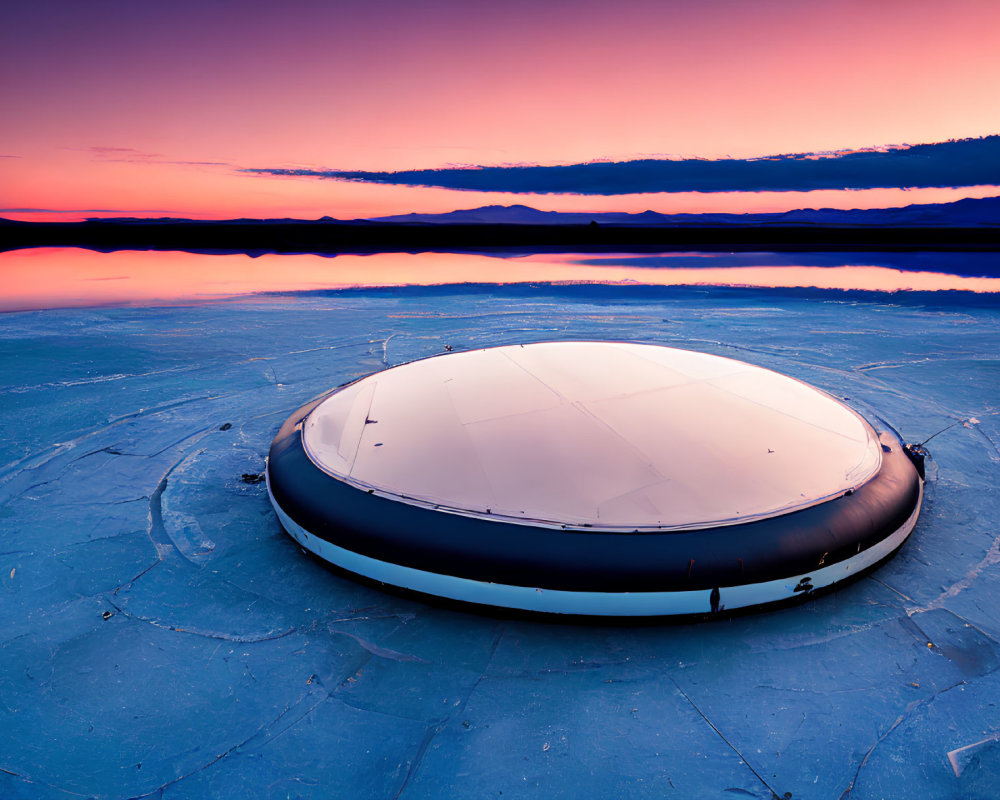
(593,434)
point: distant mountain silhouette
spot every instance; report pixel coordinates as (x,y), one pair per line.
(965,213)
(966,225)
(969,212)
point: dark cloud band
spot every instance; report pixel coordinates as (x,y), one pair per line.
(967,162)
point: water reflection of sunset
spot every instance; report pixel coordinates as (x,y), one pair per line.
(61,277)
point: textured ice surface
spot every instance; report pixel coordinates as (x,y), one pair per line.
(160,636)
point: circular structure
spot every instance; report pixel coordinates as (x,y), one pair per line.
(593,478)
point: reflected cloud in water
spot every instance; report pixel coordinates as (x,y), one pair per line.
(64,277)
(972,264)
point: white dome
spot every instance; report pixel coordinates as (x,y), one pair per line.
(601,435)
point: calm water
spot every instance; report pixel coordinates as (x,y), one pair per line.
(61,277)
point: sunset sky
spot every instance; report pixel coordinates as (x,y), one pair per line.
(158,109)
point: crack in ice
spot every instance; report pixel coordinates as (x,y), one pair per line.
(733,747)
(991,559)
(907,712)
(435,728)
(34,782)
(227,637)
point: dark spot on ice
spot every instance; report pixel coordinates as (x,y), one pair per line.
(917,455)
(107,615)
(252,477)
(225,426)
(378,444)
(804,585)
(714,600)
(371,421)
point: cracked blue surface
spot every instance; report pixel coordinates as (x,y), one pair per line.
(162,637)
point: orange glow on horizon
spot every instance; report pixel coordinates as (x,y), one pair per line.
(202,194)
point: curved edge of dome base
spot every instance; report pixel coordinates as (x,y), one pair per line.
(538,600)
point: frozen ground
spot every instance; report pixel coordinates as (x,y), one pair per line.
(160,636)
